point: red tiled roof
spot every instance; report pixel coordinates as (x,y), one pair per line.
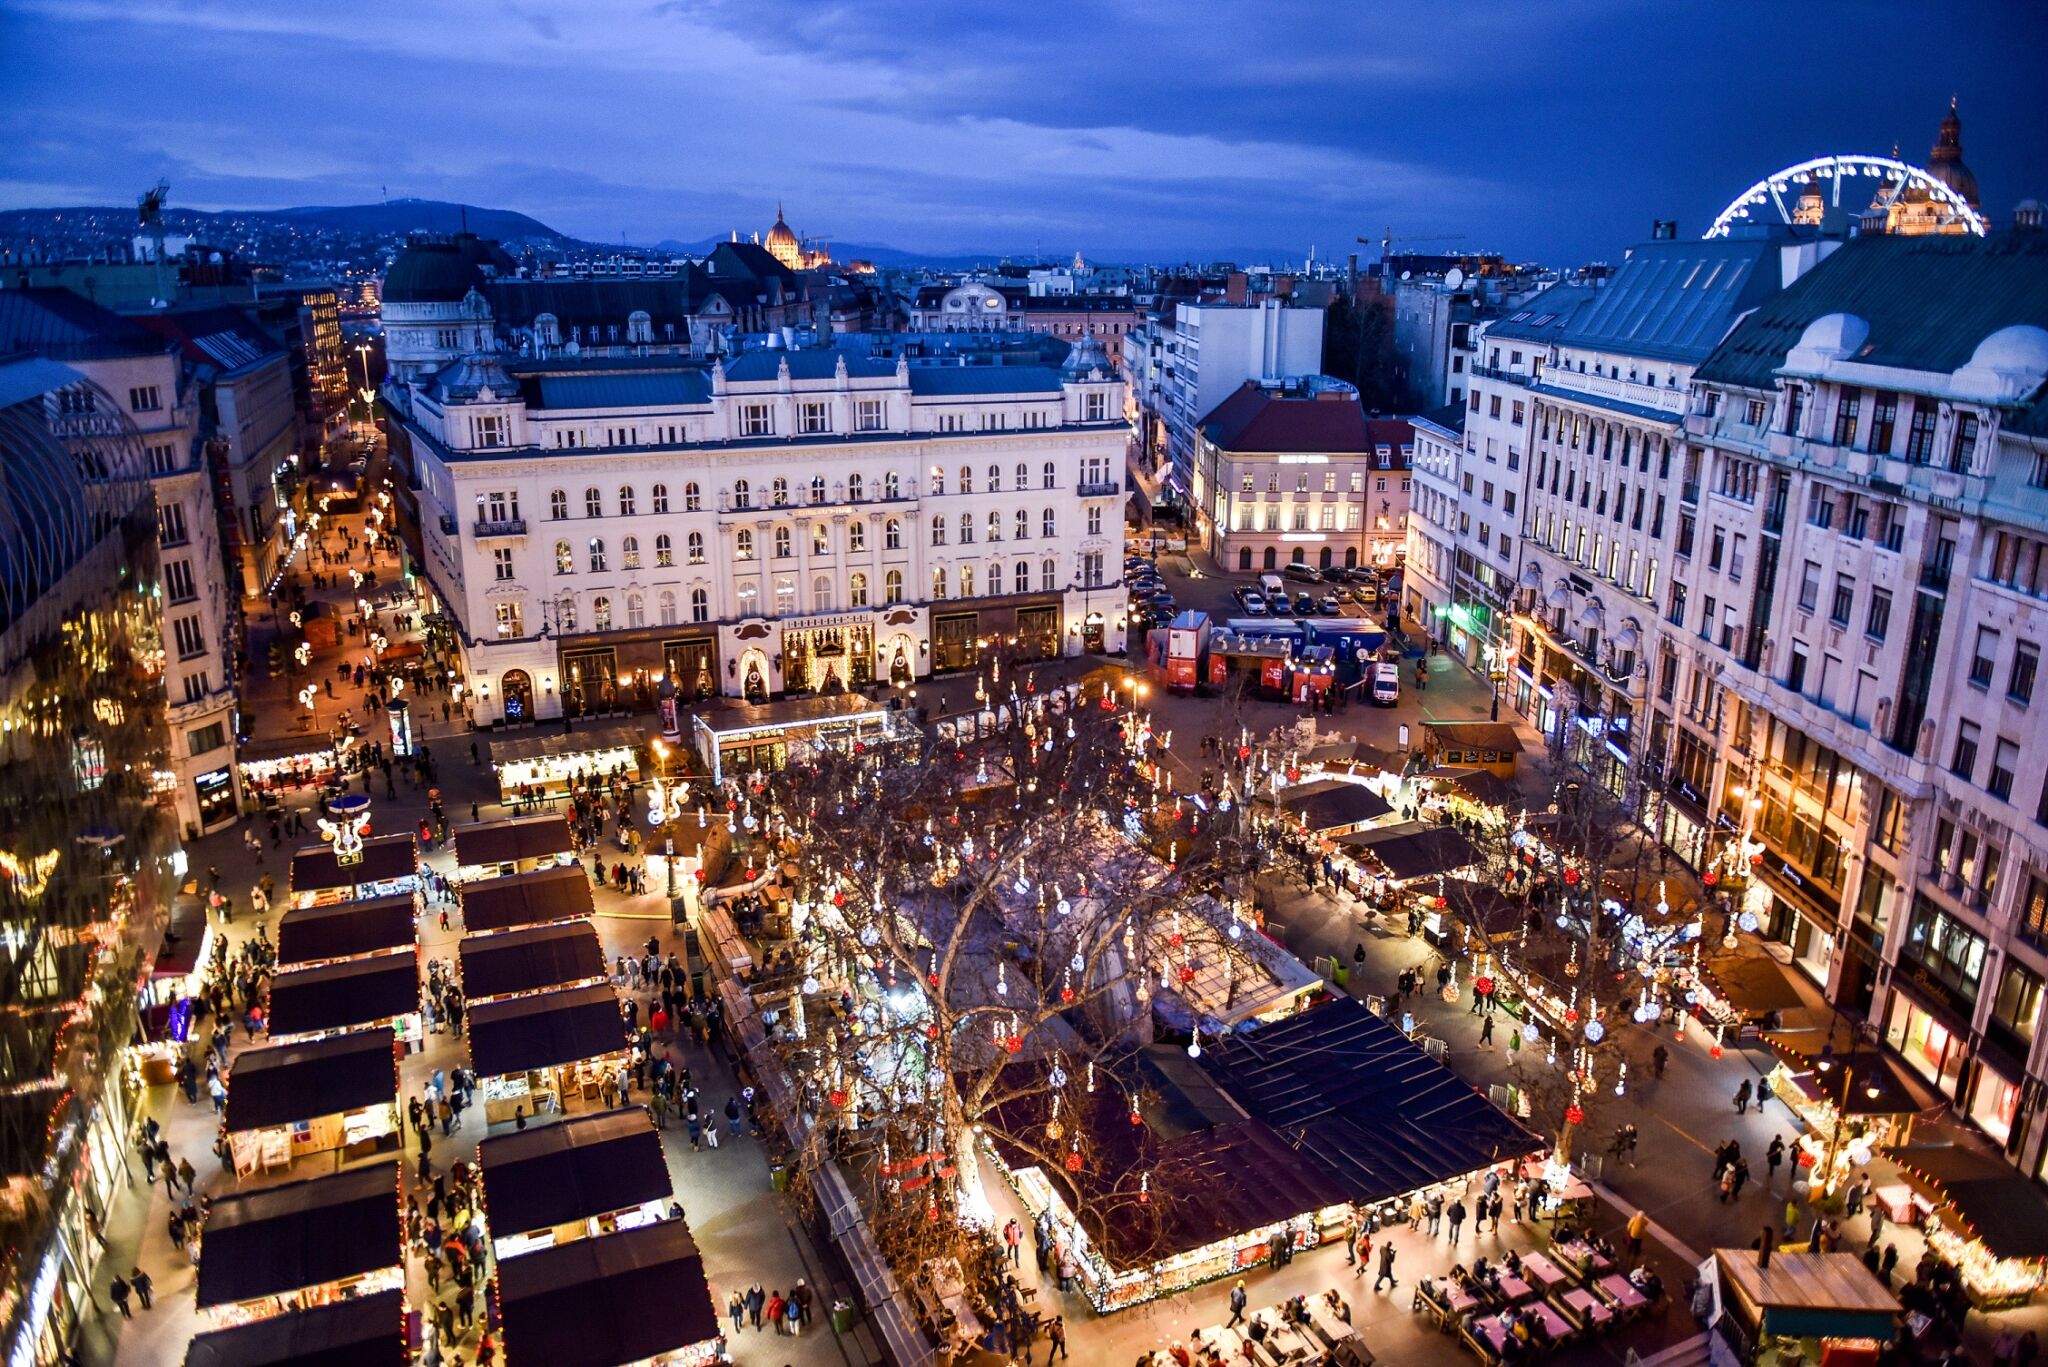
(1255,419)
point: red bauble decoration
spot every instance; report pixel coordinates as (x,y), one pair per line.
(1066,994)
(931,1032)
(1571,1015)
(1014,1044)
(1571,878)
(702,875)
(1176,939)
(1806,1159)
(1440,903)
(1715,1051)
(1294,775)
(1756,861)
(1073,1160)
(1187,975)
(1483,986)
(1573,1115)
(1144,1197)
(1244,752)
(838,899)
(1711,878)
(860,747)
(837,1096)
(1137,1119)
(932,978)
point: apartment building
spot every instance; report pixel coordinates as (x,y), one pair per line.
(1214,348)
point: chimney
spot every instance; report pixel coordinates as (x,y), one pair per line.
(1664,230)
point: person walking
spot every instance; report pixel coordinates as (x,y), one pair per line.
(1773,1157)
(188,1174)
(732,1115)
(757,1300)
(120,1291)
(1386,1272)
(1658,1058)
(1638,1225)
(1013,1241)
(1877,1219)
(1056,1338)
(1457,1214)
(1742,1095)
(737,1308)
(1238,1300)
(774,1311)
(144,1288)
(1486,1032)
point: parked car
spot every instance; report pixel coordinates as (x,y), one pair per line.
(1251,600)
(1304,605)
(1302,573)
(1386,683)
(1330,607)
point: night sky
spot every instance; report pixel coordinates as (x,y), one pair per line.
(1551,131)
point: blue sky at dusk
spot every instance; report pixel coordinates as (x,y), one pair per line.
(1554,131)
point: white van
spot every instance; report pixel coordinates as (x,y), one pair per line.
(1386,683)
(1273,586)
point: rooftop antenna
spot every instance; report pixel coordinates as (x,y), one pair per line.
(149,215)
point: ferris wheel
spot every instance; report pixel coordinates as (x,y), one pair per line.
(1776,196)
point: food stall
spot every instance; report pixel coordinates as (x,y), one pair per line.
(1410,859)
(351,994)
(545,767)
(1261,659)
(1853,1104)
(287,762)
(561,893)
(347,930)
(1827,1309)
(1745,993)
(635,1297)
(1328,807)
(389,866)
(1478,794)
(1494,746)
(360,1331)
(520,844)
(515,962)
(1987,1217)
(298,1245)
(744,737)
(584,1178)
(176,975)
(540,1051)
(286,1100)
(1311,674)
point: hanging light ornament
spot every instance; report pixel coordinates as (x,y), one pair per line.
(1195,1043)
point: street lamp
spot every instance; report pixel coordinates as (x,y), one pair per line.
(1824,1066)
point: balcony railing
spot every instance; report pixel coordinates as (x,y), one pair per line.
(1100,488)
(504,526)
(448,524)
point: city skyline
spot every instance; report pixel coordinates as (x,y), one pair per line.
(972,131)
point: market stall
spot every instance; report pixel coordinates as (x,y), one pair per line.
(1394,857)
(1987,1218)
(389,866)
(176,974)
(517,844)
(1823,1308)
(285,1100)
(360,1331)
(1478,793)
(298,1245)
(1353,757)
(743,737)
(347,930)
(1494,746)
(586,1177)
(1746,993)
(283,763)
(1852,1106)
(516,962)
(1222,983)
(637,1296)
(542,768)
(1329,807)
(526,899)
(352,994)
(540,1052)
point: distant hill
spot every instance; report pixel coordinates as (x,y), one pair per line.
(419,215)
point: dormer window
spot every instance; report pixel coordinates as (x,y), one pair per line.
(547,330)
(640,328)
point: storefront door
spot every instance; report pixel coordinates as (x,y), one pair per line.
(693,665)
(954,643)
(215,791)
(517,686)
(1038,632)
(593,680)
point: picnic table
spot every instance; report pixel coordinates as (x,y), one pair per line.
(1543,1272)
(1514,1288)
(1623,1293)
(1575,1252)
(1587,1310)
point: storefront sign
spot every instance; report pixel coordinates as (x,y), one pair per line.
(844,619)
(1936,993)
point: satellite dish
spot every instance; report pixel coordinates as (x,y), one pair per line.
(1405,274)
(1453,278)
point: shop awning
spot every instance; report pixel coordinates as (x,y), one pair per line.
(585,1166)
(365,1331)
(1348,1091)
(506,842)
(1754,983)
(384,857)
(346,929)
(1331,804)
(337,996)
(1809,1295)
(315,746)
(561,893)
(1414,849)
(545,1030)
(598,1302)
(180,954)
(296,1235)
(1481,785)
(528,960)
(728,717)
(1993,1200)
(1898,1092)
(561,745)
(283,1083)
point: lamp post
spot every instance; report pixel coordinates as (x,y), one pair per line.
(1825,1067)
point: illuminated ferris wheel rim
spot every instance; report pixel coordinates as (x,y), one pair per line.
(1840,169)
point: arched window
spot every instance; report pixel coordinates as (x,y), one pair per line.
(1023,579)
(1051,476)
(660,497)
(857,591)
(600,613)
(995,479)
(938,529)
(558,504)
(664,551)
(700,606)
(856,535)
(967,529)
(967,581)
(636,610)
(627,505)
(780,495)
(821,539)
(639,327)
(593,502)
(547,330)
(742,494)
(938,480)
(995,579)
(695,544)
(1023,475)
(693,497)
(565,612)
(892,535)
(1050,524)
(1023,521)
(785,596)
(995,524)
(892,485)
(966,479)
(821,593)
(817,488)
(742,544)
(629,553)
(892,587)
(565,558)
(854,488)
(938,581)
(782,543)
(667,603)
(750,600)
(1049,576)
(597,555)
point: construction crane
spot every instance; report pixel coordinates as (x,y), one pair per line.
(1387,241)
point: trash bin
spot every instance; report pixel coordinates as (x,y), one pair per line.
(1342,974)
(842,1317)
(778,1176)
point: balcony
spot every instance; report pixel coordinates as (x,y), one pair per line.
(504,526)
(449,526)
(1099,488)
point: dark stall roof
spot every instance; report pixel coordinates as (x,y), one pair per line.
(180,954)
(502,842)
(585,1166)
(528,960)
(346,929)
(1754,982)
(1991,1198)
(1481,785)
(546,1029)
(552,744)
(336,996)
(1346,1090)
(1326,804)
(365,1331)
(600,1302)
(282,1083)
(296,1235)
(527,899)
(1414,849)
(1476,735)
(384,857)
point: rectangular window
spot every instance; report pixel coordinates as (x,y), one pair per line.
(170,524)
(1844,600)
(814,416)
(1879,619)
(2005,762)
(1890,827)
(1949,950)
(1846,410)
(178,585)
(867,415)
(190,637)
(757,420)
(1963,763)
(1920,432)
(145,399)
(2026,663)
(501,563)
(1984,658)
(1884,416)
(206,738)
(1809,586)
